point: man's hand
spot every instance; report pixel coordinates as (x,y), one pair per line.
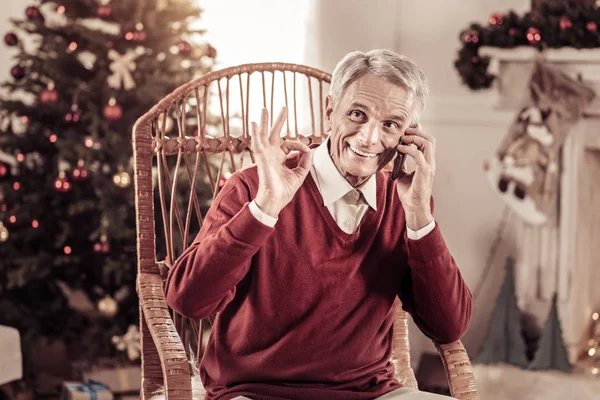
(415,189)
(277,183)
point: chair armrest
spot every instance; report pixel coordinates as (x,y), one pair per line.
(458,370)
(172,357)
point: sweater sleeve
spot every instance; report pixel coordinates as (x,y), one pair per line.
(203,279)
(433,291)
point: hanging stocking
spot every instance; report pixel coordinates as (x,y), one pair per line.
(526,169)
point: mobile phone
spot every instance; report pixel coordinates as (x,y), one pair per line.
(399,161)
(398,164)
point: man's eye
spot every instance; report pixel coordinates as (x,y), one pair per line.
(391,125)
(357,115)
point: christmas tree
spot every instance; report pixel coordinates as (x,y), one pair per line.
(552,353)
(504,342)
(83,72)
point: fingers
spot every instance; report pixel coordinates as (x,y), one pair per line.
(256,144)
(424,145)
(290,145)
(419,157)
(305,164)
(262,136)
(415,153)
(425,142)
(418,131)
(275,133)
(259,134)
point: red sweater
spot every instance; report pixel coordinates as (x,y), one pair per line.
(304,310)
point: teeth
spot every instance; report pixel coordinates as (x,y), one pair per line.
(361,153)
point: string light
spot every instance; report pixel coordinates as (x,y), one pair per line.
(3,233)
(591,363)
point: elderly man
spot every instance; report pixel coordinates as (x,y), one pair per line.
(301,258)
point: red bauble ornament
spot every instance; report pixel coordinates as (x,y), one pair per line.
(104,11)
(113,111)
(11,39)
(184,48)
(17,72)
(49,95)
(4,170)
(74,115)
(80,172)
(591,26)
(533,35)
(62,184)
(34,14)
(101,247)
(471,37)
(136,36)
(212,52)
(565,23)
(497,19)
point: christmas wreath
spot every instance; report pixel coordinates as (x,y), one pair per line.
(554,25)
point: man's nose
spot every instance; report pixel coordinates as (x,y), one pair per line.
(369,134)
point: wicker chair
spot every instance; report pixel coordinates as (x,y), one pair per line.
(175,163)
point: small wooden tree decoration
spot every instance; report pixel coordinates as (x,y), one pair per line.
(552,352)
(504,342)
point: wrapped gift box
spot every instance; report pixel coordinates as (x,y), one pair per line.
(11,368)
(119,379)
(89,390)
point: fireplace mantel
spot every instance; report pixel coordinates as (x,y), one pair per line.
(562,257)
(508,64)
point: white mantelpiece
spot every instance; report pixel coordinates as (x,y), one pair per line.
(563,257)
(509,64)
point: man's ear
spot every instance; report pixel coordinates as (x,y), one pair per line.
(328,112)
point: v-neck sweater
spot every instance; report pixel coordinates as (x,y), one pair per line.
(304,310)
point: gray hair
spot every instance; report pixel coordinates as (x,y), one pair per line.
(393,67)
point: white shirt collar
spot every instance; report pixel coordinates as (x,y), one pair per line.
(333,185)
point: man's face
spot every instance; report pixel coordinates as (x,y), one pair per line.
(366,126)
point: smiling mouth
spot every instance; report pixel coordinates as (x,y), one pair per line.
(361,153)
